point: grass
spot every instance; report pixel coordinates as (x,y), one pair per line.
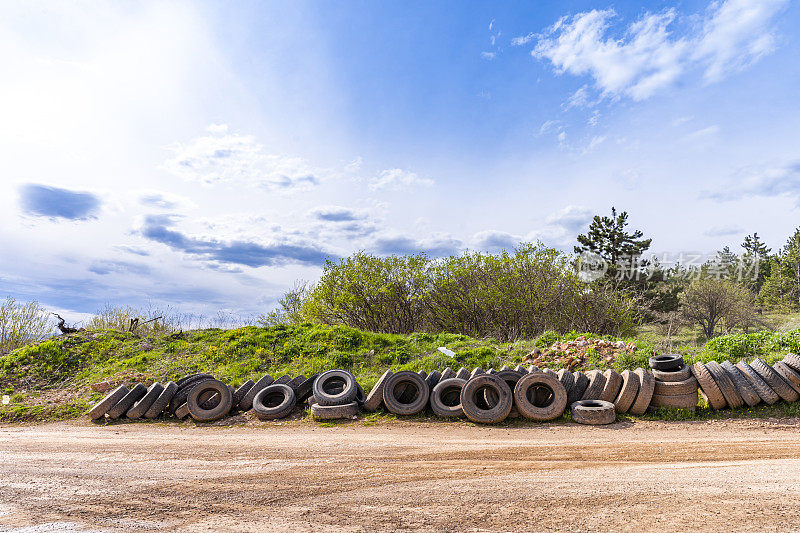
(51,380)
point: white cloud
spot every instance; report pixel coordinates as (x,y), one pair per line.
(397,179)
(702,134)
(579,98)
(571,218)
(723,231)
(525,39)
(488,55)
(764,181)
(650,56)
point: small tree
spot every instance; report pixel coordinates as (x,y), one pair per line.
(711,302)
(608,238)
(290,306)
(782,287)
(755,261)
(22,323)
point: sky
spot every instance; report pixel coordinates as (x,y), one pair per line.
(205,155)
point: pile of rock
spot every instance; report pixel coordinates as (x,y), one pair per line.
(573,354)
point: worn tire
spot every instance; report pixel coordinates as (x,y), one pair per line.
(681,374)
(593,412)
(161,403)
(568,380)
(597,382)
(677,401)
(122,406)
(191,377)
(742,384)
(789,376)
(283,380)
(476,386)
(138,409)
(581,384)
(334,412)
(221,408)
(533,368)
(521,369)
(793,360)
(612,386)
(274,401)
(732,396)
(375,396)
(675,388)
(327,389)
(179,398)
(767,395)
(447,373)
(247,400)
(647,383)
(774,380)
(476,372)
(240,392)
(103,406)
(446,398)
(627,393)
(462,373)
(405,393)
(433,378)
(525,394)
(708,387)
(182,411)
(305,389)
(667,362)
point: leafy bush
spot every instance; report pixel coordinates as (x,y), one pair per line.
(22,323)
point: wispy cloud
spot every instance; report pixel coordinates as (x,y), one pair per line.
(436,246)
(56,203)
(769,182)
(723,231)
(397,179)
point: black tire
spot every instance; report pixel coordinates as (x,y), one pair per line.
(360,396)
(581,384)
(283,380)
(184,388)
(240,392)
(647,385)
(103,406)
(476,372)
(774,380)
(726,386)
(475,387)
(296,381)
(462,373)
(375,396)
(161,403)
(627,393)
(568,380)
(433,378)
(140,408)
(191,377)
(666,362)
(274,402)
(447,373)
(593,412)
(742,384)
(405,393)
(526,394)
(335,387)
(334,412)
(446,398)
(305,389)
(122,406)
(767,395)
(597,382)
(247,401)
(681,374)
(221,408)
(708,387)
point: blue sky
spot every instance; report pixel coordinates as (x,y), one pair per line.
(206,155)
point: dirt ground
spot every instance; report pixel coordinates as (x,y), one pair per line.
(397,475)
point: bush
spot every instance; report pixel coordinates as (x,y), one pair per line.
(149,321)
(21,324)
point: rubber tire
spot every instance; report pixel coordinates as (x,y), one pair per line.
(627,393)
(447,373)
(393,397)
(161,403)
(183,390)
(742,384)
(296,381)
(597,382)
(708,387)
(529,409)
(375,396)
(305,389)
(767,395)
(445,388)
(667,362)
(675,388)
(327,396)
(103,406)
(581,383)
(677,401)
(682,374)
(122,406)
(534,368)
(789,376)
(612,386)
(496,413)
(282,409)
(283,380)
(511,377)
(725,385)
(774,380)
(462,373)
(647,384)
(568,380)
(793,360)
(241,392)
(593,412)
(182,411)
(521,369)
(334,412)
(140,408)
(219,410)
(247,401)
(433,378)
(476,372)
(182,382)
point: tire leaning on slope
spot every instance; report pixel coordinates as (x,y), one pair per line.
(742,384)
(593,412)
(708,387)
(122,406)
(793,360)
(612,386)
(788,374)
(274,402)
(246,402)
(195,402)
(647,385)
(446,398)
(597,382)
(725,385)
(627,393)
(375,396)
(103,406)
(525,392)
(767,395)
(496,413)
(405,385)
(140,408)
(581,383)
(184,388)
(774,380)
(161,403)
(568,380)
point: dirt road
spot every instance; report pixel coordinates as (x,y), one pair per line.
(720,475)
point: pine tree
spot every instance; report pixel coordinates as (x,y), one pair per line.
(755,261)
(783,284)
(608,238)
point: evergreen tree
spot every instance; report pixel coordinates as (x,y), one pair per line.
(783,284)
(755,262)
(608,238)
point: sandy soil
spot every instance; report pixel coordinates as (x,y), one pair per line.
(718,475)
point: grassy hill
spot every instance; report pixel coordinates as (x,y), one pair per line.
(51,380)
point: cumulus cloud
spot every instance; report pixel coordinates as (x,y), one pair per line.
(335,213)
(221,157)
(163,200)
(436,246)
(397,179)
(649,55)
(55,203)
(495,241)
(723,231)
(782,180)
(104,267)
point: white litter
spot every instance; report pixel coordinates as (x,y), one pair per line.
(445,351)
(6,399)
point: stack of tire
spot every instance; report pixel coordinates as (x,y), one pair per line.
(337,395)
(675,385)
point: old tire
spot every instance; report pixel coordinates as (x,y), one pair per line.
(122,406)
(446,398)
(677,401)
(161,403)
(612,386)
(475,387)
(667,362)
(334,412)
(742,384)
(774,380)
(793,360)
(675,388)
(789,376)
(581,383)
(476,372)
(247,400)
(681,374)
(597,382)
(140,408)
(335,387)
(375,396)
(767,395)
(647,385)
(405,393)
(708,387)
(462,373)
(447,373)
(222,407)
(433,378)
(726,386)
(179,398)
(274,401)
(103,406)
(240,392)
(568,380)
(593,412)
(627,393)
(525,396)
